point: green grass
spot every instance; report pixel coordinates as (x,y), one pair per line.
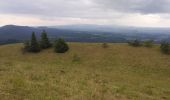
(86,72)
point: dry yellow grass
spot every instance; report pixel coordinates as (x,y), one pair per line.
(119,72)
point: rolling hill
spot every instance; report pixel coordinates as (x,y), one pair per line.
(87,72)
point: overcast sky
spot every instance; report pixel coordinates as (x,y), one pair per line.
(147,13)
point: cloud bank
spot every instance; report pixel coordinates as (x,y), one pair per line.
(152,13)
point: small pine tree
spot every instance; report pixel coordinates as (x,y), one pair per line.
(34,46)
(60,46)
(165,47)
(44,42)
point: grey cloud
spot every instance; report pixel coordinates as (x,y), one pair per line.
(83,8)
(135,12)
(59,8)
(136,6)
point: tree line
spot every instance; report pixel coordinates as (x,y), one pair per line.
(33,45)
(60,46)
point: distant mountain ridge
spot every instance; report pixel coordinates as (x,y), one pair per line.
(113,28)
(85,33)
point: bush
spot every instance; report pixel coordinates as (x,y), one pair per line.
(148,43)
(60,46)
(105,45)
(76,58)
(165,47)
(26,46)
(135,43)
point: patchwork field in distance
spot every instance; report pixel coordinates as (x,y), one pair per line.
(87,72)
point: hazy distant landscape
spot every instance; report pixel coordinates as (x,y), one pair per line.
(85,33)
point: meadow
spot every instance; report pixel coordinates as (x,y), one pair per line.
(86,72)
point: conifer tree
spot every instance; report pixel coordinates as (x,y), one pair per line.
(34,46)
(60,46)
(44,42)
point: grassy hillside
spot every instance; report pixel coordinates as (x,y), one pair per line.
(119,72)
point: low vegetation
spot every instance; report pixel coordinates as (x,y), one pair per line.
(148,43)
(165,47)
(135,43)
(138,43)
(85,72)
(105,45)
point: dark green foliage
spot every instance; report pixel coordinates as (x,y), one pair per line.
(60,46)
(44,42)
(105,45)
(165,47)
(135,43)
(34,46)
(148,43)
